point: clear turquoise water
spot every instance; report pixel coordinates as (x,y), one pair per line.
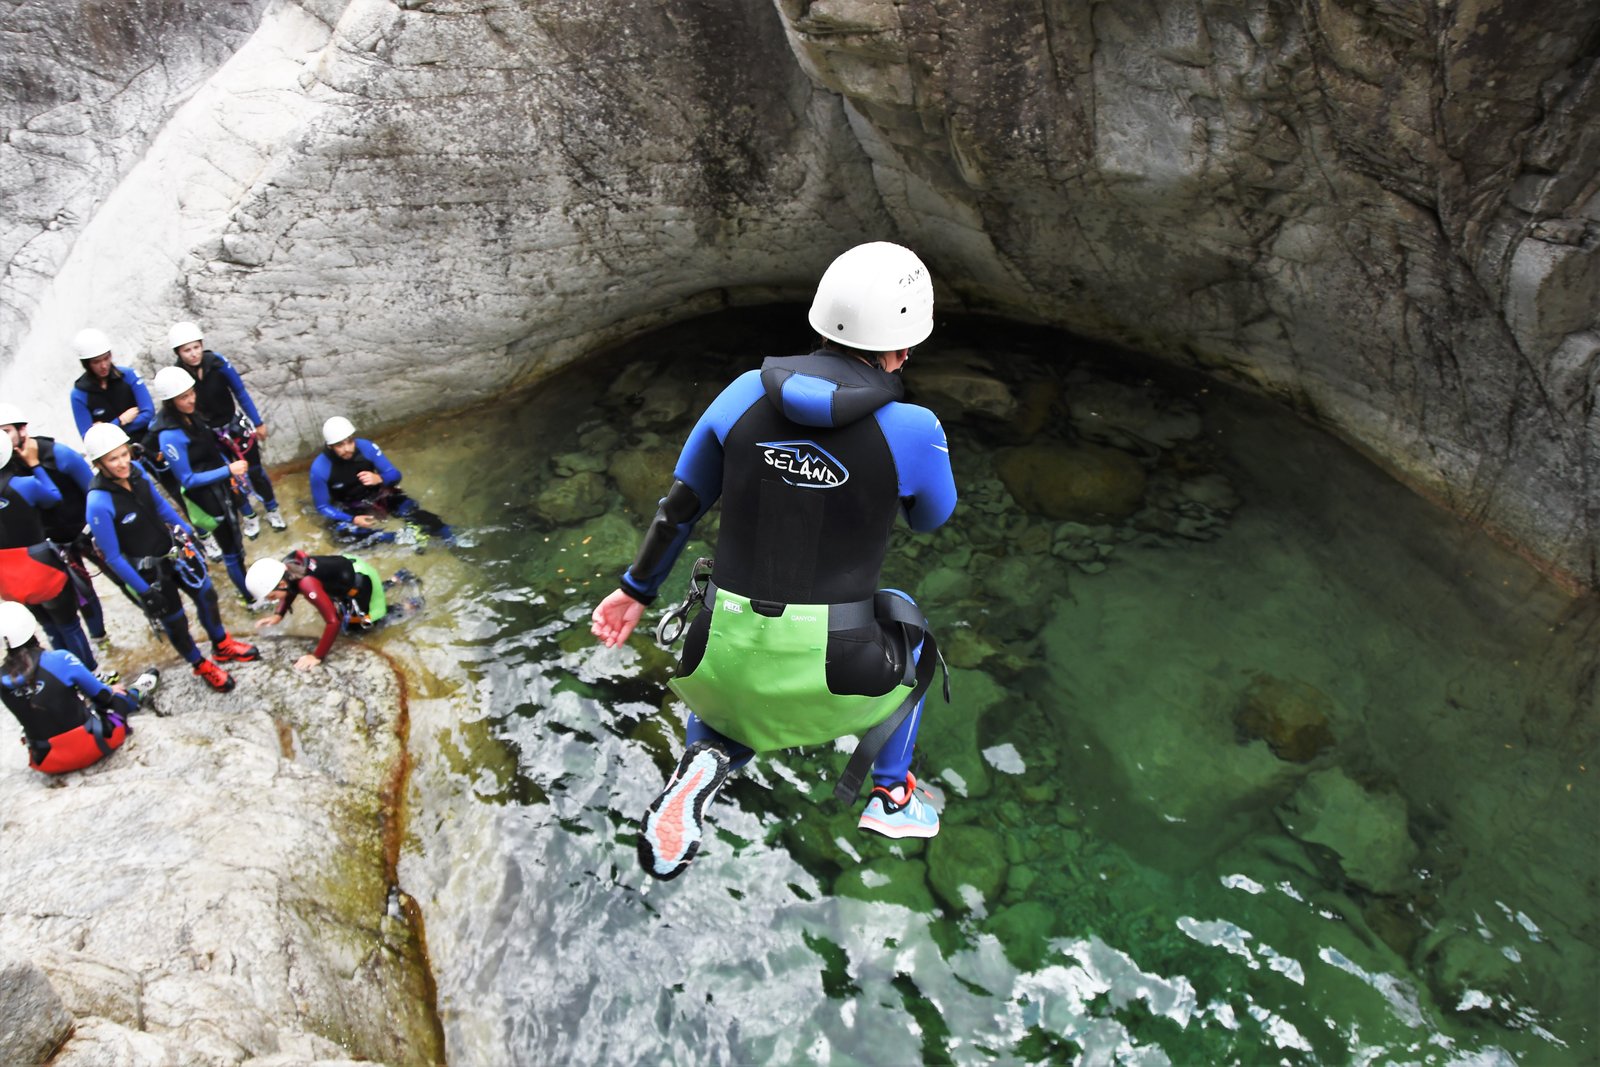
(1145,902)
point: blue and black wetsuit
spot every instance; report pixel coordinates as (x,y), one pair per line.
(32,572)
(220,398)
(813,457)
(103,400)
(196,459)
(62,733)
(64,522)
(340,496)
(131,527)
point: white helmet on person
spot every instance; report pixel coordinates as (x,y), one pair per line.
(17,626)
(263,577)
(6,449)
(90,344)
(103,438)
(338,429)
(170,382)
(182,333)
(877,297)
(11,415)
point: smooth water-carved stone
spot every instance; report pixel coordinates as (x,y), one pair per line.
(33,1021)
(1080,482)
(565,501)
(1293,718)
(1366,831)
(967,867)
(889,880)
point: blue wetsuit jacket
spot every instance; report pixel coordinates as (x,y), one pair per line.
(333,480)
(813,457)
(220,390)
(108,523)
(91,404)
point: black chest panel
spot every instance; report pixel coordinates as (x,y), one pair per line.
(45,707)
(64,522)
(343,486)
(806,510)
(20,525)
(106,404)
(213,397)
(142,534)
(336,573)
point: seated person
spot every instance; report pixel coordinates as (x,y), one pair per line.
(69,717)
(354,485)
(346,591)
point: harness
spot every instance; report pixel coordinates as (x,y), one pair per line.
(762,679)
(188,562)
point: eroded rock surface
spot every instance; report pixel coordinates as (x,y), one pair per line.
(216,890)
(1385,215)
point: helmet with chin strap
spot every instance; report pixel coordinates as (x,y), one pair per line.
(182,333)
(338,429)
(17,625)
(90,344)
(877,297)
(102,439)
(170,382)
(264,576)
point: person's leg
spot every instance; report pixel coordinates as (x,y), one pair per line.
(403,507)
(58,616)
(232,545)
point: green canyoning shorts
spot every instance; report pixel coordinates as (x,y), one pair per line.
(378,606)
(763,679)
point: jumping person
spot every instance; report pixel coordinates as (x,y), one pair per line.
(64,523)
(354,486)
(225,404)
(70,719)
(793,643)
(210,480)
(346,592)
(149,547)
(32,572)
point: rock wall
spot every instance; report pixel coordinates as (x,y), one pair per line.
(218,889)
(1383,213)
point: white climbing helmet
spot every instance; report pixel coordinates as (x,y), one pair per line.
(170,382)
(182,333)
(90,343)
(338,429)
(103,438)
(11,415)
(263,577)
(16,624)
(877,297)
(6,449)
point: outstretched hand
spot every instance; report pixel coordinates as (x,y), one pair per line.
(615,618)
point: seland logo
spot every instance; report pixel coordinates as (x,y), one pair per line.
(804,463)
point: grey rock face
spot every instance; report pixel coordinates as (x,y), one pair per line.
(216,889)
(33,1021)
(1386,215)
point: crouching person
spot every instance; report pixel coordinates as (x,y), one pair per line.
(346,592)
(70,718)
(151,551)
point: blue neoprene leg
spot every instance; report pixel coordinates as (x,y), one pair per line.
(894,758)
(738,755)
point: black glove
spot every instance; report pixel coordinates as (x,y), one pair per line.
(151,601)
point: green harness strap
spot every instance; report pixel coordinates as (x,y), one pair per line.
(763,680)
(199,517)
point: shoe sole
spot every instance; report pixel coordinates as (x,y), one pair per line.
(674,825)
(898,832)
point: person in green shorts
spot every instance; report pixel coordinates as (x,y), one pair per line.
(346,591)
(791,641)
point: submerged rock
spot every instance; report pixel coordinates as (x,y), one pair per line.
(218,888)
(1366,831)
(967,867)
(1290,716)
(1080,482)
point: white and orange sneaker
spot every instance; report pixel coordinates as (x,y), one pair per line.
(900,812)
(674,825)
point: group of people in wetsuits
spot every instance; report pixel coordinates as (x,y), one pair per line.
(165,479)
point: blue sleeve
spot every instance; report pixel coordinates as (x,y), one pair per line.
(386,470)
(240,393)
(70,669)
(169,514)
(319,490)
(700,468)
(141,397)
(103,529)
(37,488)
(74,466)
(922,461)
(175,446)
(80,411)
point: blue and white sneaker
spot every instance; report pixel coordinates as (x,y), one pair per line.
(674,825)
(900,812)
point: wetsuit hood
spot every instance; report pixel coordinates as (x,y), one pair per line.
(827,388)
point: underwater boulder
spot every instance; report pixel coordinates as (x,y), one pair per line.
(584,495)
(643,476)
(1079,482)
(1293,718)
(967,867)
(1367,831)
(889,880)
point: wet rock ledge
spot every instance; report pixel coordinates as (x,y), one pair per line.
(221,889)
